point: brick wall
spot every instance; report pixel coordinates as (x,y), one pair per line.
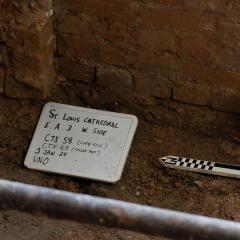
(26,48)
(142,51)
(135,52)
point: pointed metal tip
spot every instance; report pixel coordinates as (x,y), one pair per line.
(162,162)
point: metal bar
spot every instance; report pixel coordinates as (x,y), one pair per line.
(113,213)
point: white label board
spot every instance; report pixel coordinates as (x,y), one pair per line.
(81,142)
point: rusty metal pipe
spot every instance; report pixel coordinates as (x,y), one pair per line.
(112,213)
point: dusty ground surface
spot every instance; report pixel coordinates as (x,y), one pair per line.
(172,128)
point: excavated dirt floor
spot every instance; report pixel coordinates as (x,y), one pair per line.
(171,129)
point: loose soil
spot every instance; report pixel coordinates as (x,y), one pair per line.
(171,128)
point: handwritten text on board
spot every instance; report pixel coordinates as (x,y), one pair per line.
(81,142)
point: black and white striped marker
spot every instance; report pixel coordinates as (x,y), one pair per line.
(201,166)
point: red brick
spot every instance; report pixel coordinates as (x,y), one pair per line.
(195,93)
(176,4)
(227,100)
(99,39)
(200,5)
(114,78)
(110,54)
(228,54)
(230,31)
(76,47)
(165,58)
(202,74)
(125,12)
(117,52)
(175,20)
(81,24)
(197,47)
(231,13)
(154,81)
(81,47)
(75,70)
(154,40)
(227,79)
(197,73)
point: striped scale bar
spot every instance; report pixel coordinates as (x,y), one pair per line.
(201,166)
